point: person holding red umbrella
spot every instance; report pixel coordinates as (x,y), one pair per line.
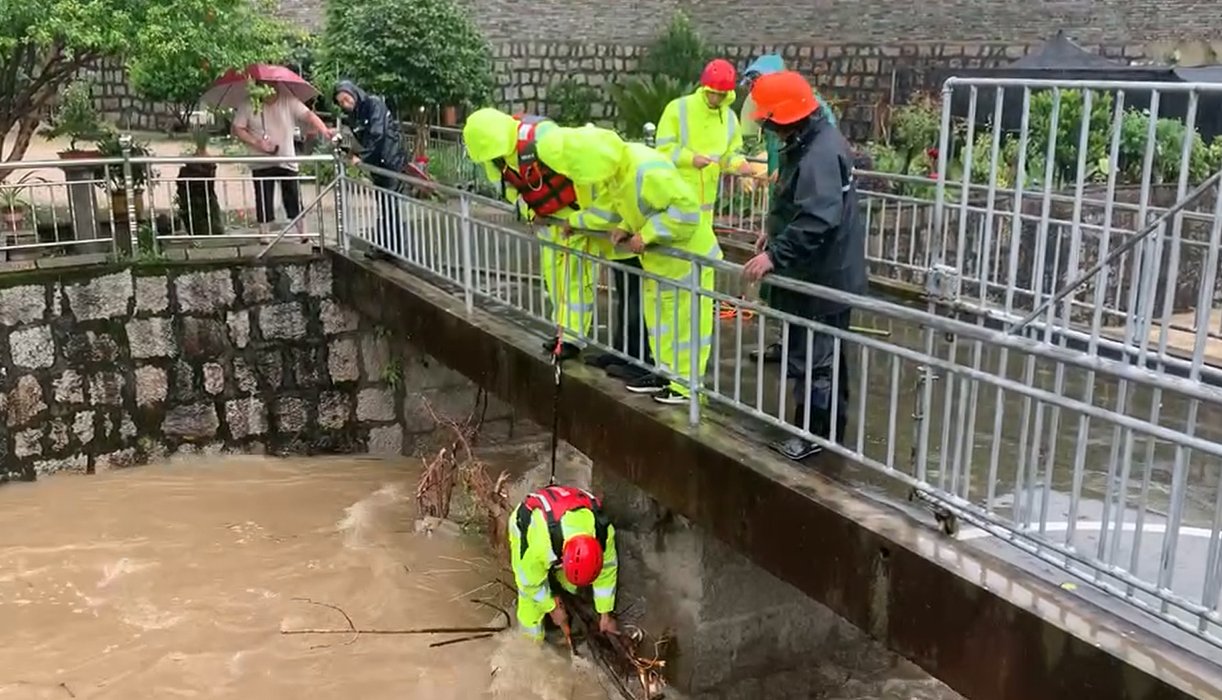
(265,122)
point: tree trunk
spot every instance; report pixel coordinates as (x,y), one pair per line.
(25,134)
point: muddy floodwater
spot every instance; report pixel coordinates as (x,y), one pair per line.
(176,580)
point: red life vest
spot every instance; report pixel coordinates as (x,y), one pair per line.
(555,501)
(544,190)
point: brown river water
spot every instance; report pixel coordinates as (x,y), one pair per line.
(176,580)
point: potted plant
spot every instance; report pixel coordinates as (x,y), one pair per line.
(14,206)
(199,209)
(115,180)
(76,118)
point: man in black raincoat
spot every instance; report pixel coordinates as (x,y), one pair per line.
(813,233)
(381,145)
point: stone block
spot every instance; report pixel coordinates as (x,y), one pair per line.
(151,337)
(152,294)
(375,404)
(318,279)
(204,292)
(24,304)
(296,275)
(183,388)
(343,362)
(69,387)
(375,356)
(310,368)
(82,426)
(90,347)
(32,348)
(239,328)
(270,367)
(25,401)
(246,417)
(337,318)
(204,338)
(386,440)
(193,421)
(151,385)
(118,459)
(102,297)
(127,427)
(214,378)
(244,376)
(106,389)
(284,321)
(255,284)
(334,410)
(292,415)
(78,464)
(28,443)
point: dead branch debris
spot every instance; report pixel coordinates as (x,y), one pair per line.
(356,632)
(456,463)
(620,655)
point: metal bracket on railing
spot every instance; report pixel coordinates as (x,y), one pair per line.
(943,516)
(942,282)
(651,134)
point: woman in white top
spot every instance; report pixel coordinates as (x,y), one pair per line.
(269,131)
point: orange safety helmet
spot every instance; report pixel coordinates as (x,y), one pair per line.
(784,97)
(719,75)
(583,560)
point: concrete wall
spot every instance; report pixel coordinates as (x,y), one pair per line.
(110,366)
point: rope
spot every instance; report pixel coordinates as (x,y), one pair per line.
(560,293)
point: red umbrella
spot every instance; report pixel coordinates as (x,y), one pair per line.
(230,89)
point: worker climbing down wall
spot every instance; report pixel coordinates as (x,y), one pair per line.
(508,147)
(701,135)
(657,207)
(559,537)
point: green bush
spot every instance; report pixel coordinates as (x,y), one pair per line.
(415,53)
(75,117)
(678,52)
(571,104)
(641,100)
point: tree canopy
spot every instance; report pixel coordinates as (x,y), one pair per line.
(177,60)
(416,53)
(45,43)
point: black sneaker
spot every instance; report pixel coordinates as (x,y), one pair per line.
(670,397)
(604,361)
(796,448)
(627,372)
(771,354)
(648,384)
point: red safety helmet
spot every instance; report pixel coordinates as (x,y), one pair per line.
(719,75)
(783,98)
(583,560)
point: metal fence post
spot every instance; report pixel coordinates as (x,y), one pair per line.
(124,241)
(468,272)
(341,198)
(696,345)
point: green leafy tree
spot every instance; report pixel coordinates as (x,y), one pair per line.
(679,52)
(415,53)
(177,60)
(44,44)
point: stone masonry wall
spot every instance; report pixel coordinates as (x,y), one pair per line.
(107,367)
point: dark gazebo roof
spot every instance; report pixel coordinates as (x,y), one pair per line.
(1061,53)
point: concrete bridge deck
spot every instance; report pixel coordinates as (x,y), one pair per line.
(985,620)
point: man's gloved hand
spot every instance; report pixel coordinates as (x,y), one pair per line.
(560,616)
(607,624)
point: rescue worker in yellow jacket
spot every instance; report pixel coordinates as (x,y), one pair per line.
(658,208)
(507,147)
(701,135)
(559,536)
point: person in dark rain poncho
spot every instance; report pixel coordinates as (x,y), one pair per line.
(381,145)
(813,233)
